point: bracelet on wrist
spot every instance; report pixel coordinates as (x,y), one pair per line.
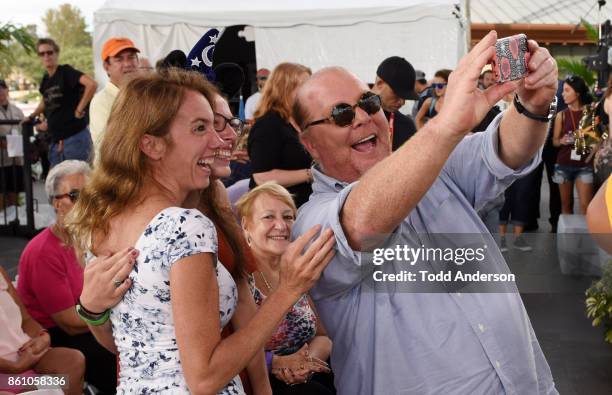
(88,311)
(93,320)
(552,110)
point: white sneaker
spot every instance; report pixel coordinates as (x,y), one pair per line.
(503,245)
(521,244)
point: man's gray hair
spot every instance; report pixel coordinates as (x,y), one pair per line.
(63,169)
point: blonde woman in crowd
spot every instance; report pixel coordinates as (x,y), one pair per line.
(159,147)
(299,346)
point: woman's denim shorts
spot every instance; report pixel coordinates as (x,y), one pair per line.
(565,173)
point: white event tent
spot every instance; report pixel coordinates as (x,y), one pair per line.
(356,34)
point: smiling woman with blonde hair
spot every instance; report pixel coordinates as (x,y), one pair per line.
(299,347)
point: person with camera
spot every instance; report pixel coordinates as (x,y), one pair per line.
(387,341)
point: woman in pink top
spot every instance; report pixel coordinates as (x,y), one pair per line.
(25,345)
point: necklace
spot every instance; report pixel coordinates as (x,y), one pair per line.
(571,114)
(265,281)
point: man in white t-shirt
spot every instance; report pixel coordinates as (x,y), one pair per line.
(253,100)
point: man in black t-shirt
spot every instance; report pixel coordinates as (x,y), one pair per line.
(66,95)
(394,84)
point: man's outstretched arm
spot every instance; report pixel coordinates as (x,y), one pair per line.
(388,192)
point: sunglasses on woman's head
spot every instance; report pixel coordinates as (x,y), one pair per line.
(438,85)
(343,114)
(72,195)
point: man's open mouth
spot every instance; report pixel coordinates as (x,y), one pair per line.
(366,143)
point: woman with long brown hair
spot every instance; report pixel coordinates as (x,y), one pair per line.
(274,146)
(572,166)
(159,147)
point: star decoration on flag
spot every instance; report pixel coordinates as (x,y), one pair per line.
(214,39)
(195,62)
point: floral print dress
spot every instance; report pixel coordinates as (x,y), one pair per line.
(298,327)
(142,322)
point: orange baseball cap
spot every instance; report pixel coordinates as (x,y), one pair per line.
(114,45)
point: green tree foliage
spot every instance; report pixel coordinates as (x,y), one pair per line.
(572,66)
(599,302)
(10,33)
(67,26)
(591,31)
(575,66)
(81,58)
(13,42)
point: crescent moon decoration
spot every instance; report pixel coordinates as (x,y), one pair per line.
(205,58)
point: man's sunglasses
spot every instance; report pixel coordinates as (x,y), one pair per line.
(221,121)
(43,53)
(439,85)
(343,114)
(72,195)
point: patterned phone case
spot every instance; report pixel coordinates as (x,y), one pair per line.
(510,62)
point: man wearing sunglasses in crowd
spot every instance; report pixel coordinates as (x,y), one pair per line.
(253,101)
(395,80)
(390,341)
(66,94)
(51,279)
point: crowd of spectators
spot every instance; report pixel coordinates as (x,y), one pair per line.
(155,277)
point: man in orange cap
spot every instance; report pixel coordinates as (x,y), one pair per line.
(120,57)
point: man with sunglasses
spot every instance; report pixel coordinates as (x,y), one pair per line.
(395,80)
(396,336)
(66,94)
(120,61)
(251,103)
(51,279)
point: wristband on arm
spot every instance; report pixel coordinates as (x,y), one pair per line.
(94,319)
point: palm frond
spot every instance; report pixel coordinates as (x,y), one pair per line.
(569,66)
(591,31)
(10,32)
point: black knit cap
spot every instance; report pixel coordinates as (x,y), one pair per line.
(399,74)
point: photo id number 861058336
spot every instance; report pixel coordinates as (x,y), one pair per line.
(33,381)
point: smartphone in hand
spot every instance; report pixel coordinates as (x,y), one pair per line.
(511,57)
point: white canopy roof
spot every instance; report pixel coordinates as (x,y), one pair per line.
(356,34)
